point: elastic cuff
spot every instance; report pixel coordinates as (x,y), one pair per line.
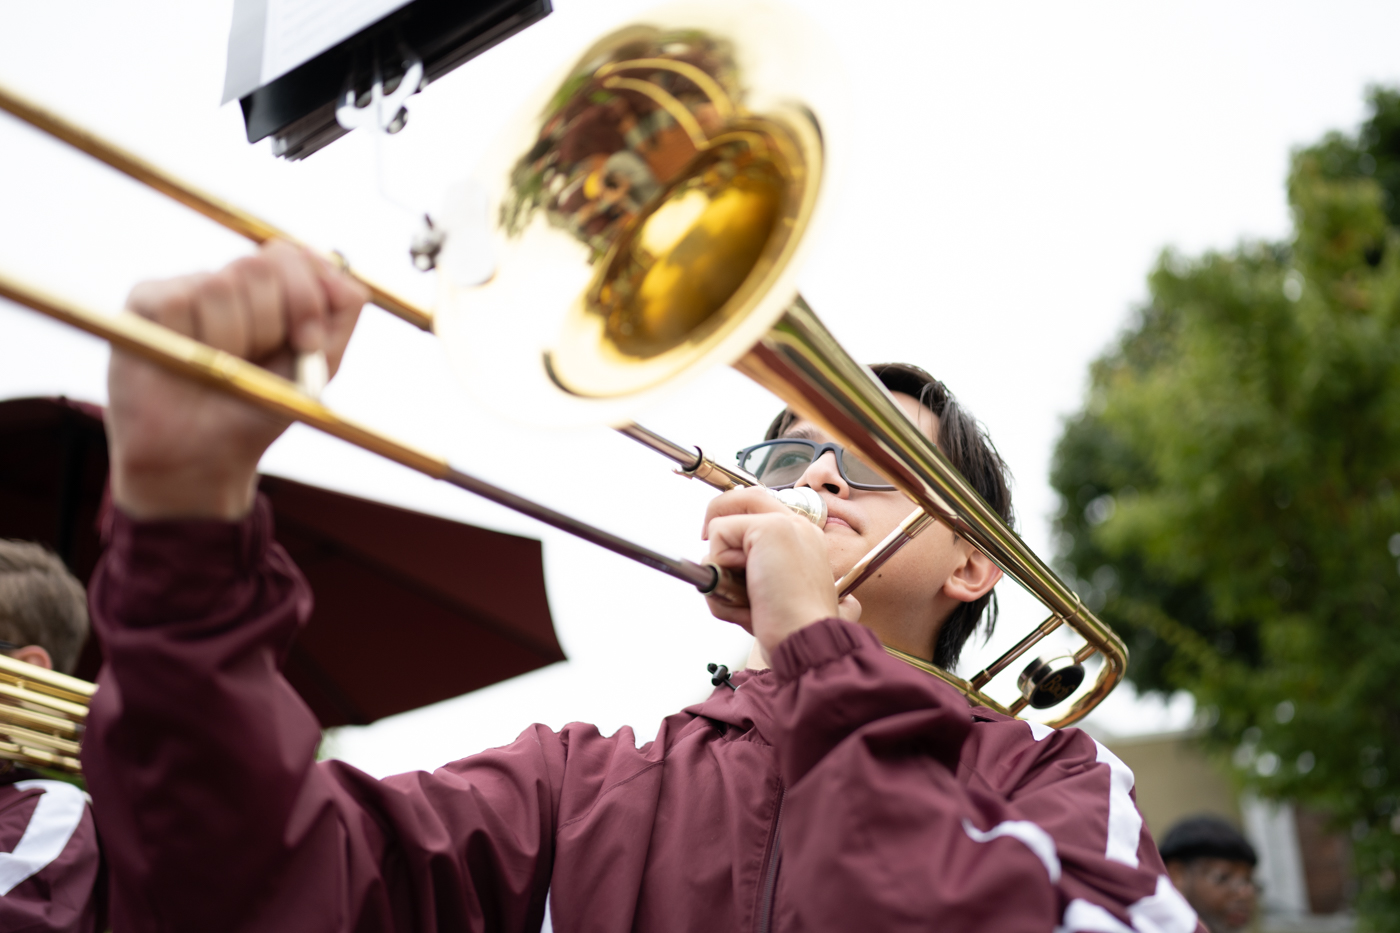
(815,645)
(176,565)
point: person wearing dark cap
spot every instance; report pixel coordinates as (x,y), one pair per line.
(1212,864)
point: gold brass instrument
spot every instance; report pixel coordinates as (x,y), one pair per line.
(42,716)
(643,222)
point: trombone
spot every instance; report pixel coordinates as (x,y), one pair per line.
(673,250)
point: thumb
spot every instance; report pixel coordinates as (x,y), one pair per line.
(849,609)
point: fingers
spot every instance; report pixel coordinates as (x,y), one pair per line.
(262,298)
(726,613)
(346,298)
(283,298)
(746,501)
(849,609)
(728,537)
(221,313)
(305,304)
(169,302)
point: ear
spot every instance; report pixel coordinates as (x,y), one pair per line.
(973,578)
(33,654)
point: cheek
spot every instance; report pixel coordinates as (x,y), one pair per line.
(926,562)
(884,511)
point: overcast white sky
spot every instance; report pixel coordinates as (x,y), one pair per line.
(1011,172)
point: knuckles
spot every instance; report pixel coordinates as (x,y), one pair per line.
(751,500)
(216,288)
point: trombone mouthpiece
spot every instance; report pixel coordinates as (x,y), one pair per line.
(805,501)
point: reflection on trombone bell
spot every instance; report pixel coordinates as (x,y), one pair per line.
(647,220)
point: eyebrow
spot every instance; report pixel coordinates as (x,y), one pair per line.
(808,432)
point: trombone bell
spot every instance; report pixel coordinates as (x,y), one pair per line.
(684,275)
(647,215)
(647,222)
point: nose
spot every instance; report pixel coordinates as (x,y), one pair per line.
(823,473)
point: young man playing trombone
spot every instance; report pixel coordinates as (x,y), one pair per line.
(834,788)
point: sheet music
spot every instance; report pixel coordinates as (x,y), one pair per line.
(296,31)
(271,37)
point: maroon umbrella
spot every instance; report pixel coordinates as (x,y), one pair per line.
(410,608)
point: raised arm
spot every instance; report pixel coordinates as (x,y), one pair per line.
(180,450)
(199,756)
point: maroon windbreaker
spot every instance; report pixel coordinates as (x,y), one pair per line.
(842,790)
(50,866)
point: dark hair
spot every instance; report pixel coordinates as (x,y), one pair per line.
(41,603)
(1206,837)
(965,443)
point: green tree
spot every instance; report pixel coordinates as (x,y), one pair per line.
(1230,495)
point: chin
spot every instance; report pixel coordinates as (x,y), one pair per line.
(844,554)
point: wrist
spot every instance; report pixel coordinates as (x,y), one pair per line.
(815,645)
(793,622)
(189,493)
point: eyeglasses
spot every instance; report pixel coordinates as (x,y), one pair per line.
(780,464)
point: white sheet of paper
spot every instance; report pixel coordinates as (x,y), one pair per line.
(296,31)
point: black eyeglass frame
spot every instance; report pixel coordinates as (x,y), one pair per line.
(818,451)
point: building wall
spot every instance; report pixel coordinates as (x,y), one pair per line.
(1175,779)
(1305,864)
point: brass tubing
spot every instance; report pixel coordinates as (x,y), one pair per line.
(31,738)
(74,711)
(31,719)
(266,390)
(799,361)
(22,754)
(976,696)
(692,461)
(724,106)
(677,110)
(216,209)
(61,685)
(694,464)
(684,457)
(1021,647)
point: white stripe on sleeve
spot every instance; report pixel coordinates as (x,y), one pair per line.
(1081,916)
(1163,911)
(1124,820)
(53,823)
(1029,834)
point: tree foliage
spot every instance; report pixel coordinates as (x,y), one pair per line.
(1231,494)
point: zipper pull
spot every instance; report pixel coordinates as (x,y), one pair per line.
(721,675)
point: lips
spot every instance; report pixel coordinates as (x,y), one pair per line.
(834,514)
